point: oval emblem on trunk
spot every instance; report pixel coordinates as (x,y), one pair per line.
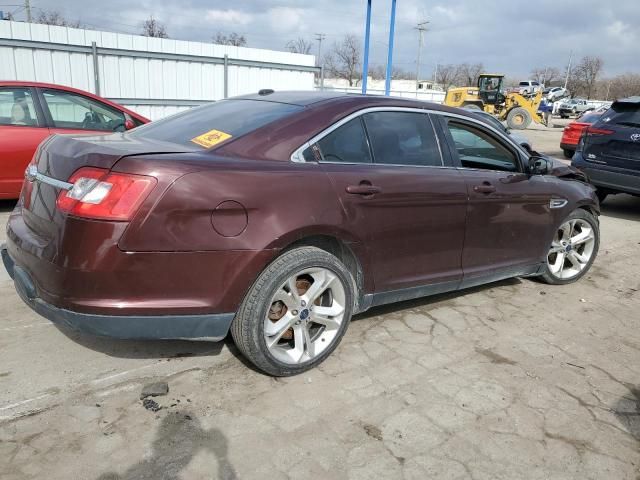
(635,137)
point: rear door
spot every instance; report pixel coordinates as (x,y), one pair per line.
(408,206)
(21,131)
(509,221)
(615,139)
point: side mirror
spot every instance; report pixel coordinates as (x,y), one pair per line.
(539,165)
(129,124)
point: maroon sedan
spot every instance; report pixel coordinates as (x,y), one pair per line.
(280,215)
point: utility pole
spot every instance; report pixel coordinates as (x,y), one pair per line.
(421,29)
(320,37)
(566,80)
(27,7)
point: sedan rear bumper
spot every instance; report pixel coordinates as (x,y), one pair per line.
(207,327)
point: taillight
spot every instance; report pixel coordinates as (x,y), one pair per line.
(100,194)
(591,131)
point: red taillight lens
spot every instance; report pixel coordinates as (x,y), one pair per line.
(100,194)
(597,131)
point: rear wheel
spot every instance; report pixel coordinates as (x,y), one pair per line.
(296,313)
(518,119)
(573,249)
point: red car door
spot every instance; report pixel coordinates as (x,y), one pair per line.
(70,112)
(21,131)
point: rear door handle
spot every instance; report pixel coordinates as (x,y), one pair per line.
(486,187)
(363,189)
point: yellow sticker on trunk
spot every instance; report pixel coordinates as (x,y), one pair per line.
(211,138)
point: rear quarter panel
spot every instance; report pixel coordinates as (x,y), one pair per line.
(282,202)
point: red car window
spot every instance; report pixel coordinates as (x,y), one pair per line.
(17,108)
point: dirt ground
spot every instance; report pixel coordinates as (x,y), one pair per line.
(514,380)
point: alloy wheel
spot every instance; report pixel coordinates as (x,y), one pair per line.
(571,249)
(305,315)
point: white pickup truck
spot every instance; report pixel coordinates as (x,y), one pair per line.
(529,87)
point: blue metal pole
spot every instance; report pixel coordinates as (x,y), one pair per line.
(365,61)
(392,28)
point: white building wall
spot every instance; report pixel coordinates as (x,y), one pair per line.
(129,77)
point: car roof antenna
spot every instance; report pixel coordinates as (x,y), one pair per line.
(265,91)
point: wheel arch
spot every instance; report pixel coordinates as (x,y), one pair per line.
(349,253)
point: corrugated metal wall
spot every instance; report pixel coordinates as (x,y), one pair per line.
(134,77)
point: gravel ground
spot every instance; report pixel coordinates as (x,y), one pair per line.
(514,380)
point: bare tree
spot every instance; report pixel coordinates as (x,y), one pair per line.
(584,76)
(379,72)
(343,61)
(446,76)
(153,28)
(234,39)
(546,75)
(53,17)
(620,86)
(299,45)
(467,74)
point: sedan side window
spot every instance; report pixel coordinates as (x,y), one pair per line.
(402,138)
(69,110)
(16,107)
(478,149)
(346,144)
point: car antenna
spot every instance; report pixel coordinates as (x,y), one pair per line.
(265,91)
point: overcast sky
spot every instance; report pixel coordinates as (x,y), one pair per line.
(509,36)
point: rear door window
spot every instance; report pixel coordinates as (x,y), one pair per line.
(211,124)
(402,138)
(17,107)
(346,144)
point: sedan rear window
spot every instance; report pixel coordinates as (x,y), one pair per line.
(212,124)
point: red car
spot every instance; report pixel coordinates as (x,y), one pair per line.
(30,112)
(573,132)
(279,215)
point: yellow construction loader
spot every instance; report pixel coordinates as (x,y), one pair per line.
(518,110)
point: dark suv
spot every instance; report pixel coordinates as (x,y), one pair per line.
(609,150)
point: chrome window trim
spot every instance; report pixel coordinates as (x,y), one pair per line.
(297,157)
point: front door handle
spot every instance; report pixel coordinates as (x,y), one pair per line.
(363,189)
(486,187)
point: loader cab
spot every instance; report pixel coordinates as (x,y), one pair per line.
(491,89)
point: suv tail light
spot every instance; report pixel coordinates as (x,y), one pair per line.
(591,131)
(98,193)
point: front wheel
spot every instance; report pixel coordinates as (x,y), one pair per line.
(518,119)
(568,153)
(296,312)
(573,249)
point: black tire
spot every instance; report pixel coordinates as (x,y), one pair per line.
(563,116)
(247,328)
(582,214)
(568,153)
(518,119)
(602,194)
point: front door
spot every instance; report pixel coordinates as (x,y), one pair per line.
(388,172)
(509,218)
